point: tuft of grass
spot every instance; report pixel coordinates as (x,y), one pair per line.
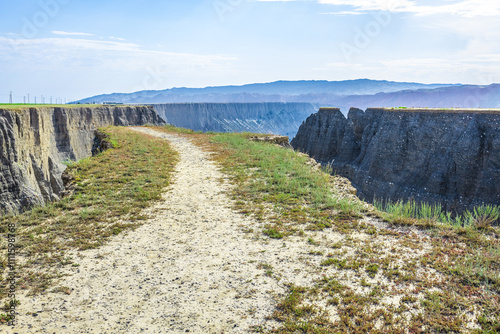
(112,189)
(427,215)
(273,233)
(170,128)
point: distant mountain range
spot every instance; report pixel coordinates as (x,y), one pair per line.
(362,93)
(463,96)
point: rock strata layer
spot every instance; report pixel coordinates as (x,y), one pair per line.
(451,157)
(34,143)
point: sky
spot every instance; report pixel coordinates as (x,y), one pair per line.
(72,49)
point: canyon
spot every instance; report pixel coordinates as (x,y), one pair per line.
(276,118)
(449,157)
(36,143)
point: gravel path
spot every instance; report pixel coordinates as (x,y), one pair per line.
(190,268)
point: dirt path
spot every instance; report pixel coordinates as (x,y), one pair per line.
(191,268)
(198,266)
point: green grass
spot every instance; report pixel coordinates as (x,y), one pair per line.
(481,217)
(445,110)
(170,128)
(22,106)
(112,189)
(268,175)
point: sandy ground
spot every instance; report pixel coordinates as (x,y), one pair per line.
(190,268)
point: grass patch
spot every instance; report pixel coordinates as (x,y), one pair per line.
(427,215)
(170,128)
(269,176)
(22,106)
(112,189)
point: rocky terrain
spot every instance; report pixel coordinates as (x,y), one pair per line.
(35,143)
(276,118)
(442,156)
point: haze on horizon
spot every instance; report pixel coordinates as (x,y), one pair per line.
(75,49)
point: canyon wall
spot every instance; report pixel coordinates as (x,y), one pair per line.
(442,156)
(34,143)
(276,118)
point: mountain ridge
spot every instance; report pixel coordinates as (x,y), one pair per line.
(278,91)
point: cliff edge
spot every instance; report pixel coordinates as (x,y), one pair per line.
(451,157)
(34,143)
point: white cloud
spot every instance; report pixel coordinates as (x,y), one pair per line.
(465,8)
(371,5)
(343,13)
(71,45)
(26,46)
(117,38)
(105,56)
(480,69)
(65,33)
(101,66)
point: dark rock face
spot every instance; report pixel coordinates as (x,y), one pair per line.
(277,140)
(450,157)
(35,142)
(276,118)
(101,142)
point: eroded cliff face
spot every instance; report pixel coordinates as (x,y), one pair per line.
(276,118)
(450,157)
(35,142)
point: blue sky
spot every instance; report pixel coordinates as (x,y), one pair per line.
(74,49)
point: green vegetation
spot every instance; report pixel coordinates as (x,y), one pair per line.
(22,106)
(411,213)
(170,128)
(445,110)
(269,176)
(111,190)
